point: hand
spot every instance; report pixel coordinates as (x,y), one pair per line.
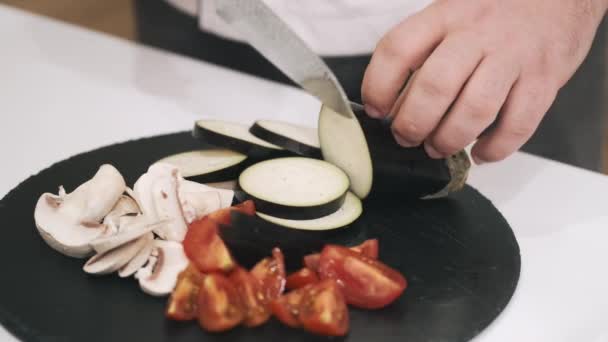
(476,62)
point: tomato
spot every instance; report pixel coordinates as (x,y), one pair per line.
(222,216)
(219,304)
(319,308)
(257,310)
(183,300)
(301,278)
(366,283)
(205,249)
(323,310)
(287,307)
(369,248)
(311,261)
(271,273)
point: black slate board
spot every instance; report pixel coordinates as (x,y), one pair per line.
(459,255)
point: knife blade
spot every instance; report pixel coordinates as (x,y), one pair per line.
(266,32)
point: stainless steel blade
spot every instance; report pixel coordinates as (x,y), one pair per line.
(274,39)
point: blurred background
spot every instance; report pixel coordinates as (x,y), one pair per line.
(116,18)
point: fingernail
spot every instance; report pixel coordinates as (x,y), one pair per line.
(372,111)
(478,161)
(432,152)
(403,142)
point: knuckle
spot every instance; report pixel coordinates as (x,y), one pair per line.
(430,84)
(408,129)
(480,107)
(390,45)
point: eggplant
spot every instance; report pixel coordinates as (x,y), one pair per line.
(208,166)
(294,188)
(251,238)
(350,211)
(376,165)
(303,141)
(236,137)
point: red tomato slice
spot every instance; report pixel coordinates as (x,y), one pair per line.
(219,304)
(301,278)
(311,261)
(205,249)
(287,308)
(323,310)
(369,248)
(222,216)
(271,273)
(183,300)
(257,310)
(365,282)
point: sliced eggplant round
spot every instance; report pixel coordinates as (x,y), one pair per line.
(300,140)
(349,212)
(208,166)
(236,137)
(408,173)
(294,187)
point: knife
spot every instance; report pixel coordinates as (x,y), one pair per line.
(274,39)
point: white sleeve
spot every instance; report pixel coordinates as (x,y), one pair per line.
(329,27)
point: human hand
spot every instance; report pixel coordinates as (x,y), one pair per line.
(476,62)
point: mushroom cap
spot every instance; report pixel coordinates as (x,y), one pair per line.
(159,276)
(68,222)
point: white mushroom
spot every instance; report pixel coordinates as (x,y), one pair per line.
(190,187)
(130,228)
(68,222)
(125,206)
(159,276)
(197,205)
(168,208)
(138,260)
(115,259)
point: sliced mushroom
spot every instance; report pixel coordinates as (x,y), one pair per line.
(138,260)
(117,258)
(131,228)
(68,222)
(197,205)
(226,195)
(125,206)
(159,276)
(227,185)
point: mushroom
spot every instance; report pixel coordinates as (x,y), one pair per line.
(68,222)
(129,229)
(113,260)
(168,208)
(125,206)
(159,276)
(197,205)
(138,261)
(193,188)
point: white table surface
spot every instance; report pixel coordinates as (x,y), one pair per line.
(65,90)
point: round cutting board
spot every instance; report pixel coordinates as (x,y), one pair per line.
(459,255)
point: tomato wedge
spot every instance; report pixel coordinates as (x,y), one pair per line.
(257,310)
(311,261)
(287,307)
(301,278)
(369,248)
(183,304)
(271,273)
(319,308)
(219,304)
(205,249)
(366,283)
(323,310)
(222,216)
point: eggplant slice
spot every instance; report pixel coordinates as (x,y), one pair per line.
(303,141)
(236,137)
(208,166)
(366,150)
(349,212)
(295,188)
(251,238)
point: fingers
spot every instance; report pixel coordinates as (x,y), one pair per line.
(401,50)
(435,87)
(475,109)
(524,109)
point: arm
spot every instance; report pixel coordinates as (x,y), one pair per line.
(476,62)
